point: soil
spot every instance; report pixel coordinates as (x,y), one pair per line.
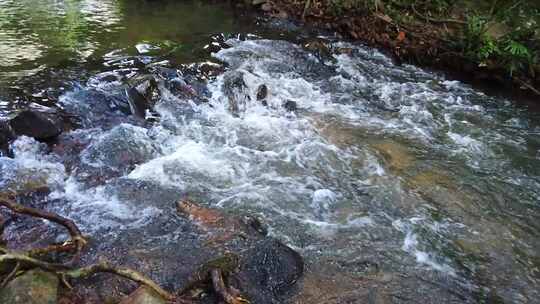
(422,42)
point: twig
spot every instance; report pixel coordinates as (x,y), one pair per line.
(528,86)
(436,20)
(84,272)
(306,7)
(10,275)
(219,287)
(23,258)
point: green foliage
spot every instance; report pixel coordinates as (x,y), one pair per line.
(515,48)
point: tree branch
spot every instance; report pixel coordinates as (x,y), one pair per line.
(76,236)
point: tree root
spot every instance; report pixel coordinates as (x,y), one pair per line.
(66,271)
(104,267)
(228,294)
(77,241)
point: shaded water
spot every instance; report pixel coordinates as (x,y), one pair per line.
(395,184)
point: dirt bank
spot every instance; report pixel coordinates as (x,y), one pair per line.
(423,41)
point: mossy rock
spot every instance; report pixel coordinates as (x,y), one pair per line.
(32,287)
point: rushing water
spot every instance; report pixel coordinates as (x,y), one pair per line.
(395,184)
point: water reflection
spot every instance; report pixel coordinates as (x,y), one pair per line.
(39,34)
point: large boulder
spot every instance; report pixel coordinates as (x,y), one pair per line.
(32,287)
(39,125)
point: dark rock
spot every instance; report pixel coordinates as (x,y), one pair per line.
(32,287)
(120,149)
(269,271)
(234,88)
(320,49)
(137,102)
(262,92)
(6,135)
(98,108)
(290,106)
(39,125)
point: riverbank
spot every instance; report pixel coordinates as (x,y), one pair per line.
(485,50)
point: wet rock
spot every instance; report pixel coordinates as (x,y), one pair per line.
(229,226)
(320,49)
(234,88)
(262,92)
(269,270)
(32,287)
(277,56)
(120,149)
(143,295)
(290,106)
(6,135)
(137,102)
(142,94)
(39,125)
(97,108)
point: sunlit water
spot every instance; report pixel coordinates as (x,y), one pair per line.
(386,177)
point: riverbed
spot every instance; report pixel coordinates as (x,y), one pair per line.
(395,184)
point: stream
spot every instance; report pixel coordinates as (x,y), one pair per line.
(395,184)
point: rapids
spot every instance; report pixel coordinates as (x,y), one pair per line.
(394,183)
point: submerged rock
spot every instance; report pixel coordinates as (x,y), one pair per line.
(262,92)
(32,287)
(265,270)
(39,125)
(290,106)
(269,270)
(120,149)
(137,102)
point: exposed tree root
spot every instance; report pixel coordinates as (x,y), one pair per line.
(104,267)
(77,241)
(228,294)
(67,271)
(84,272)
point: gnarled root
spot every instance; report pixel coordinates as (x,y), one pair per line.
(229,294)
(76,243)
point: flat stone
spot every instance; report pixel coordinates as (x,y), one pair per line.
(143,295)
(32,287)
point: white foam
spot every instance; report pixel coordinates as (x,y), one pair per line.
(96,209)
(30,167)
